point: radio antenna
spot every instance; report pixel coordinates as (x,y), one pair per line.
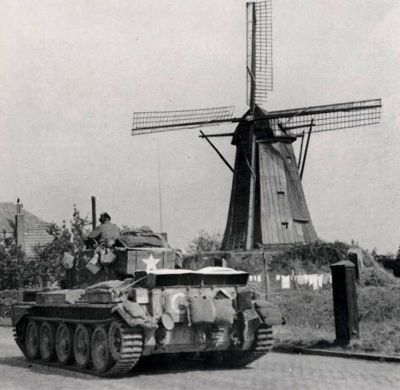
(159,183)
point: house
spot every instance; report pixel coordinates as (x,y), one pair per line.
(27,229)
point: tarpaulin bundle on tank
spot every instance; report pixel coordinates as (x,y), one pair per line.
(207,311)
(110,284)
(269,313)
(111,290)
(59,296)
(143,237)
(244,298)
(137,315)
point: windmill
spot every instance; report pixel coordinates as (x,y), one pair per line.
(267,205)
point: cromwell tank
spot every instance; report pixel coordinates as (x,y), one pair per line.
(150,309)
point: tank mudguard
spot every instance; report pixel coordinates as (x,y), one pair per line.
(18,311)
(269,313)
(135,316)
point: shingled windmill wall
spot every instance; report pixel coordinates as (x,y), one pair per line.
(281,213)
(236,227)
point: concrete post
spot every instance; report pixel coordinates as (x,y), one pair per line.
(345,301)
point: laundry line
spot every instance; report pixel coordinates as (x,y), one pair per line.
(316,281)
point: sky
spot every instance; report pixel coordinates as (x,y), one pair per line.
(72,74)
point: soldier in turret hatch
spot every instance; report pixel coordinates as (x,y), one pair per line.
(106,233)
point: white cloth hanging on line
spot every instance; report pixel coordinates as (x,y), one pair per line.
(285,282)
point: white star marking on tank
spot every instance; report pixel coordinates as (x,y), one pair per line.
(151,263)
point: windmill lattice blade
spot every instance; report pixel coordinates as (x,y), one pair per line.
(259,51)
(328,117)
(158,121)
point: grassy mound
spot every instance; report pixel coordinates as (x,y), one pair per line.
(377,277)
(314,309)
(381,337)
(306,309)
(310,319)
(379,304)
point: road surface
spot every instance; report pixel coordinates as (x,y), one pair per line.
(274,371)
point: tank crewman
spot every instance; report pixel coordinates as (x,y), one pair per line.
(106,233)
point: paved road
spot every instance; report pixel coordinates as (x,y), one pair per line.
(274,371)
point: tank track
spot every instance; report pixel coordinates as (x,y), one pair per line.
(130,351)
(263,343)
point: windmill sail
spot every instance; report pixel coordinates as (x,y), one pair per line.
(328,117)
(158,121)
(259,51)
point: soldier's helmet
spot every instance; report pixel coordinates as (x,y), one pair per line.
(104,217)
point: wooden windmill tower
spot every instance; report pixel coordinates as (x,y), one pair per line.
(267,205)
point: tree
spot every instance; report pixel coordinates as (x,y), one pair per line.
(47,263)
(11,265)
(205,242)
(16,271)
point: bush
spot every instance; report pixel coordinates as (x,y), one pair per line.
(16,271)
(12,266)
(47,262)
(310,258)
(204,242)
(7,298)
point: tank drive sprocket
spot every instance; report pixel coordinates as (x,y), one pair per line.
(263,343)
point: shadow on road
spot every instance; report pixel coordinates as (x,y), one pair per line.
(42,369)
(175,364)
(146,367)
(317,344)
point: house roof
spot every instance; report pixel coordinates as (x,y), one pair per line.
(7,218)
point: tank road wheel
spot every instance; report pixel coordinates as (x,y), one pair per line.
(126,345)
(32,340)
(81,346)
(100,350)
(47,341)
(64,343)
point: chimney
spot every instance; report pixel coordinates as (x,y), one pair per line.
(19,226)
